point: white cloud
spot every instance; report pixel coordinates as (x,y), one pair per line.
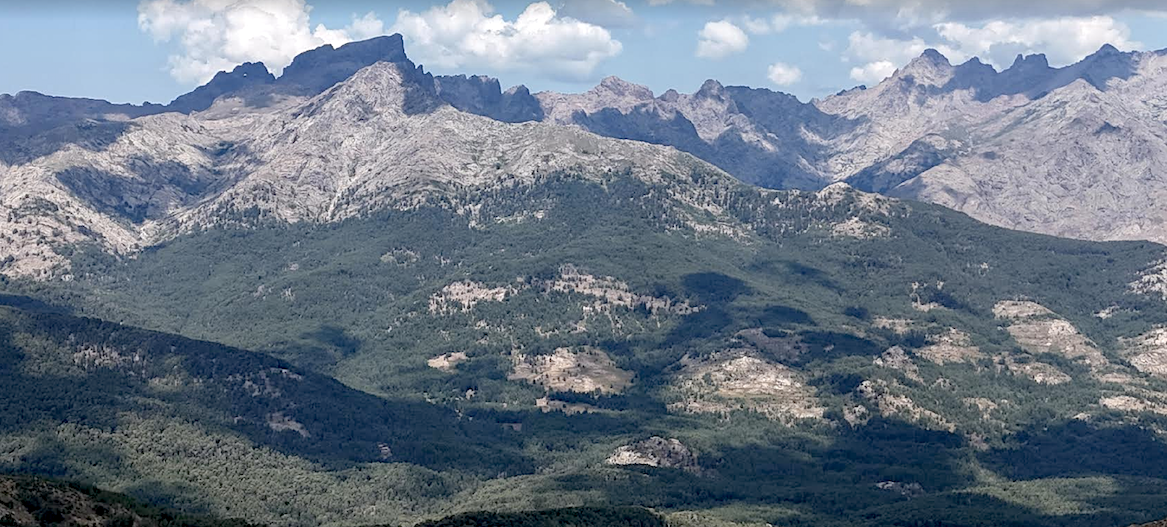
(924,13)
(867,47)
(366,27)
(757,26)
(721,38)
(783,74)
(216,35)
(467,32)
(779,23)
(606,13)
(1064,40)
(874,72)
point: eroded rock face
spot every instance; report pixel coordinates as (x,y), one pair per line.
(656,452)
(1127,403)
(1148,352)
(736,380)
(611,292)
(1152,281)
(952,346)
(447,362)
(887,399)
(582,370)
(1038,372)
(896,358)
(1038,330)
(463,296)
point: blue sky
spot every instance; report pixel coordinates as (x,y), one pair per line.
(132,51)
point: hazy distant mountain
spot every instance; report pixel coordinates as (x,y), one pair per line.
(1077,151)
(1074,151)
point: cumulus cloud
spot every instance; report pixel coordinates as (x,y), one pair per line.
(783,74)
(1064,40)
(868,47)
(874,72)
(468,32)
(606,13)
(214,35)
(720,39)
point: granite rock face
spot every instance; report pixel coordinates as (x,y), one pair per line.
(1076,151)
(383,138)
(482,95)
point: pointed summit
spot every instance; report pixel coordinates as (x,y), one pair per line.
(710,89)
(935,57)
(931,68)
(1107,49)
(384,88)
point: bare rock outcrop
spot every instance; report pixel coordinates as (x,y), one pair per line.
(739,380)
(656,452)
(586,370)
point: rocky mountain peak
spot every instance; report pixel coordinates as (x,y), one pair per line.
(934,56)
(710,89)
(1107,49)
(384,88)
(468,91)
(244,76)
(622,88)
(483,95)
(253,71)
(931,68)
(1030,62)
(314,71)
(1103,65)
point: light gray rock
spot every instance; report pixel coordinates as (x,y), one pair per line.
(381,139)
(656,452)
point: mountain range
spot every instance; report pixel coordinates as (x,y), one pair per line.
(961,136)
(360,294)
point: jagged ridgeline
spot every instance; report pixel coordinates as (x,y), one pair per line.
(448,313)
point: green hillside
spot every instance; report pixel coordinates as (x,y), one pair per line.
(493,351)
